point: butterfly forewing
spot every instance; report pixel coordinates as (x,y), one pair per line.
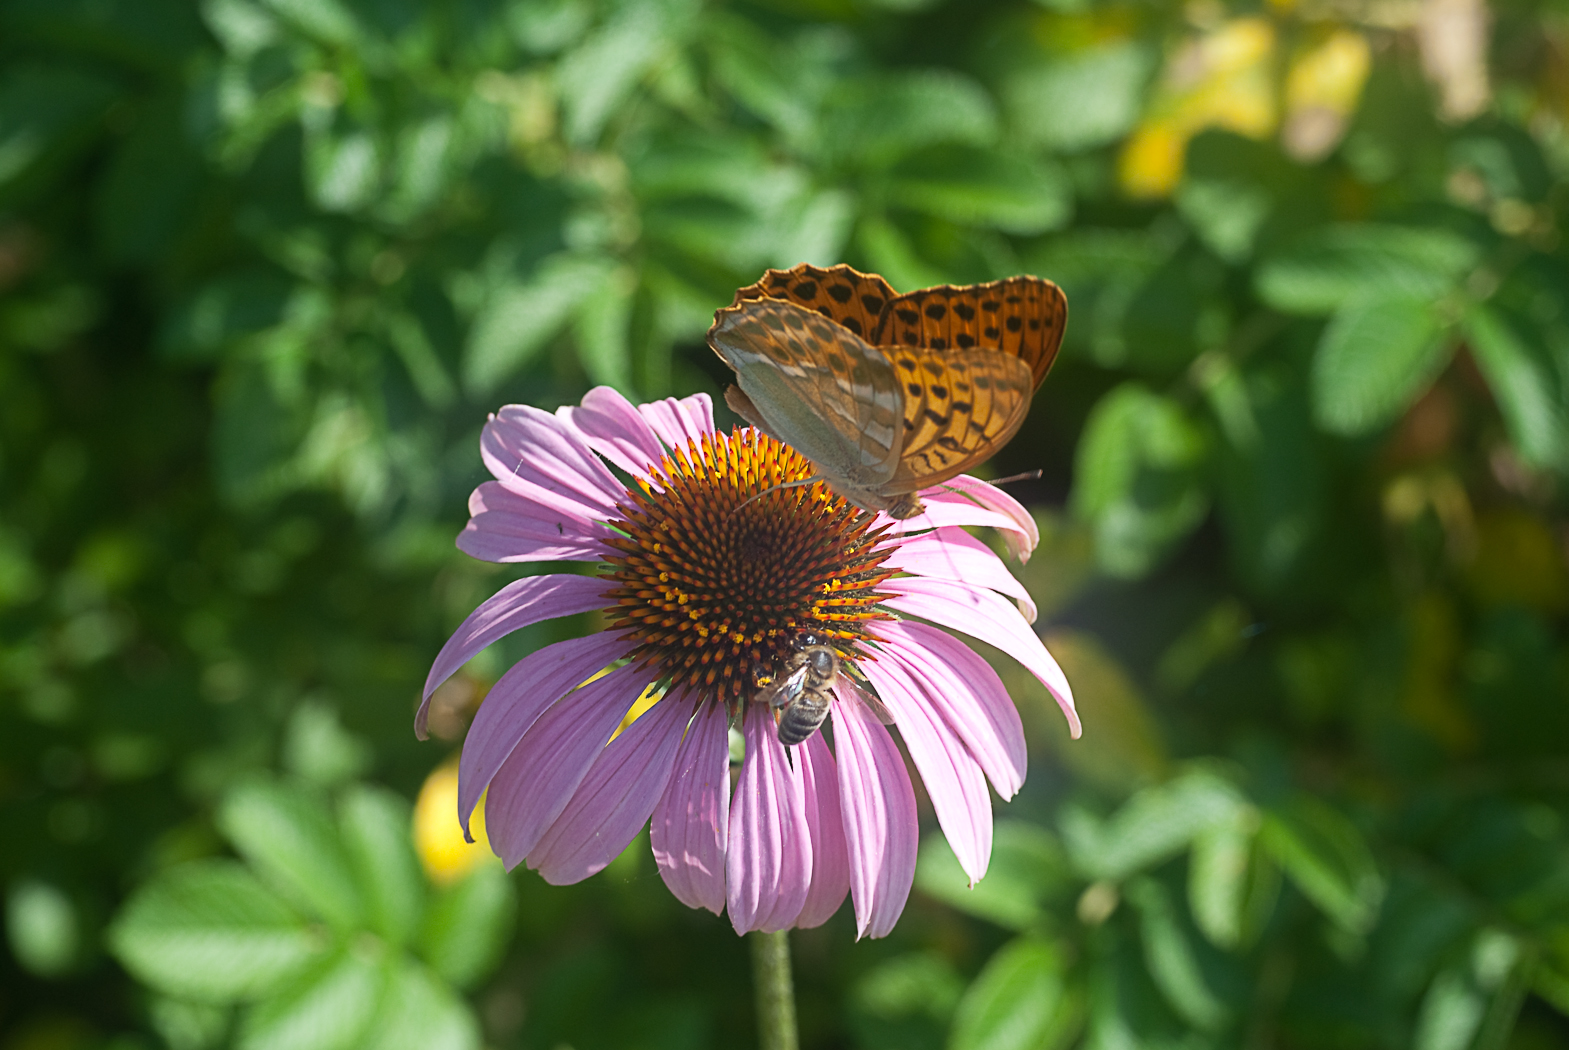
(848,297)
(1023,317)
(960,407)
(816,386)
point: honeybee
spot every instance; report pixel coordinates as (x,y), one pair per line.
(801,696)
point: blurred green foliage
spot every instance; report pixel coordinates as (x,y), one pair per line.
(264,264)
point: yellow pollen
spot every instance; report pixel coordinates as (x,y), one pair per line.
(748,575)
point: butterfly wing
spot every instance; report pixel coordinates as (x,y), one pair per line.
(960,407)
(1024,317)
(817,387)
(849,297)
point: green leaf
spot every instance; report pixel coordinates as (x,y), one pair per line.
(1156,823)
(1451,1012)
(377,828)
(1218,881)
(601,74)
(1336,263)
(285,832)
(1078,101)
(468,926)
(1019,1001)
(1027,870)
(420,1012)
(603,331)
(211,931)
(1171,959)
(221,311)
(317,748)
(330,1008)
(1324,855)
(325,20)
(1137,478)
(520,318)
(186,1025)
(42,927)
(916,984)
(1376,356)
(877,120)
(1522,383)
(976,187)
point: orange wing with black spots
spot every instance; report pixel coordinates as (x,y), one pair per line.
(960,406)
(853,299)
(1023,317)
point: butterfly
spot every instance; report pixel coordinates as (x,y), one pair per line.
(887,394)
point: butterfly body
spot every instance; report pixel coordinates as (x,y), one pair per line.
(941,379)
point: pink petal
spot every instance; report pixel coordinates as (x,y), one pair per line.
(950,553)
(1022,538)
(968,694)
(680,423)
(616,797)
(518,604)
(691,823)
(517,700)
(534,785)
(878,804)
(953,780)
(982,614)
(506,527)
(949,508)
(538,456)
(768,867)
(615,429)
(830,855)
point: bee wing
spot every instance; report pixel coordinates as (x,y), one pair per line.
(867,697)
(785,690)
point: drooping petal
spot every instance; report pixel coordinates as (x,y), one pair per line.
(965,690)
(616,797)
(535,783)
(518,604)
(768,868)
(691,823)
(1022,539)
(830,855)
(954,510)
(985,615)
(536,455)
(680,422)
(506,527)
(517,700)
(878,805)
(950,553)
(615,429)
(953,779)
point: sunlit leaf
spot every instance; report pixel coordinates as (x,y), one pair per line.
(1331,265)
(211,931)
(286,833)
(1377,355)
(1019,1001)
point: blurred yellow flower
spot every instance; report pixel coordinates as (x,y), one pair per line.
(1322,90)
(1220,79)
(438,837)
(1151,161)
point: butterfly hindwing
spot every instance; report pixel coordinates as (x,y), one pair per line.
(841,294)
(960,407)
(1023,317)
(815,386)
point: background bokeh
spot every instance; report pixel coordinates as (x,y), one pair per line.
(265,264)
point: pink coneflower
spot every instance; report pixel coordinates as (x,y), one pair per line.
(706,593)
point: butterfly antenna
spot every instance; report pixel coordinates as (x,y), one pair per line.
(775,488)
(1028,475)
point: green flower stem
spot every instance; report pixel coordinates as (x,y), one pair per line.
(775,991)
